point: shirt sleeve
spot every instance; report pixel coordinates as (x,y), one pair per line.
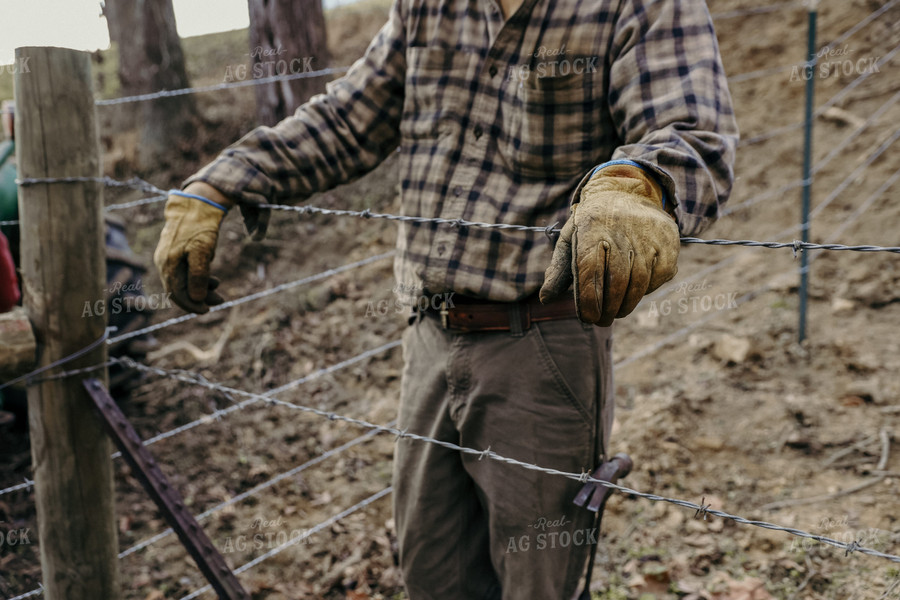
(334,138)
(669,101)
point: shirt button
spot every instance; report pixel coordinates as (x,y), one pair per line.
(457,191)
(478,131)
(441,249)
(493,70)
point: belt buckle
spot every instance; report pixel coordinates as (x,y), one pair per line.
(445,315)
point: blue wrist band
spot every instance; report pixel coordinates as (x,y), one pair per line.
(623,161)
(200,198)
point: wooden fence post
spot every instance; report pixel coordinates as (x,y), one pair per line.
(63,268)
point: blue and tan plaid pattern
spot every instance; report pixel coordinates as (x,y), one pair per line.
(503,122)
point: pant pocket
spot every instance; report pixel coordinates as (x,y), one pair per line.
(567,354)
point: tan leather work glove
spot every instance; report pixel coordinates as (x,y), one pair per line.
(187,246)
(618,245)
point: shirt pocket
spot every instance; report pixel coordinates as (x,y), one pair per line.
(436,80)
(551,125)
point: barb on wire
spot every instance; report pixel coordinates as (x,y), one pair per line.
(703,510)
(221,86)
(22,486)
(511,461)
(296,540)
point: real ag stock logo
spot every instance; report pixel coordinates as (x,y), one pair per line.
(691,301)
(276,536)
(268,68)
(553,63)
(552,534)
(838,64)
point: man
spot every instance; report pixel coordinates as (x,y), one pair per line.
(502,113)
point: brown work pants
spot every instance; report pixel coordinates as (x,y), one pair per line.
(473,528)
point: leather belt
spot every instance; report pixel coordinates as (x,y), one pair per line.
(460,313)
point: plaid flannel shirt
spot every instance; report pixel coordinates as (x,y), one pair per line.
(504,122)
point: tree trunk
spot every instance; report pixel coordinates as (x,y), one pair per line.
(286,37)
(150,60)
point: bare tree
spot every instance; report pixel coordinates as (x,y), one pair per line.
(151,59)
(286,37)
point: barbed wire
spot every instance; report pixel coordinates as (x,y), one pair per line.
(256,296)
(220,86)
(254,490)
(22,486)
(796,245)
(488,453)
(790,230)
(136,203)
(66,359)
(550,231)
(135,183)
(852,218)
(650,348)
(35,592)
(306,535)
(219,413)
(294,540)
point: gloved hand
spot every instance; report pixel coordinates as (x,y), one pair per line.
(618,245)
(187,246)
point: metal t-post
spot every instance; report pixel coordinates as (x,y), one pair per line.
(810,75)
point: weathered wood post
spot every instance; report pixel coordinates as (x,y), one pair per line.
(63,267)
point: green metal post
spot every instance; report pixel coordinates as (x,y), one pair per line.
(809,73)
